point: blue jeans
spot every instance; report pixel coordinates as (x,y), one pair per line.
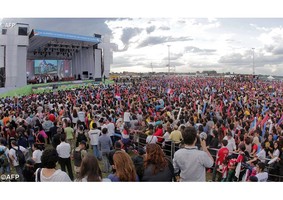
(106,168)
(96,152)
(19,171)
(5,170)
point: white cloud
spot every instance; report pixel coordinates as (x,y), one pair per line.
(231,43)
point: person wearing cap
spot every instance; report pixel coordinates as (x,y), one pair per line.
(78,154)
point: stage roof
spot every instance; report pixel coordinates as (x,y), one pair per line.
(55,45)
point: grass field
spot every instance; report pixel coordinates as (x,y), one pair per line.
(47,87)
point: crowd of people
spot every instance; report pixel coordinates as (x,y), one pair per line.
(154,129)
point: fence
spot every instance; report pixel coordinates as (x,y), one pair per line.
(169,148)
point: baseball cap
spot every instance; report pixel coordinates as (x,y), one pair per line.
(83,142)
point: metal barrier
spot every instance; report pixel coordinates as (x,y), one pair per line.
(169,148)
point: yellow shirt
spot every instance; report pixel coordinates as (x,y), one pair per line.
(91,124)
(176,136)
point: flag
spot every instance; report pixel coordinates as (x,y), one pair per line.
(264,120)
(253,125)
(179,113)
(263,129)
(118,97)
(169,91)
(264,111)
(204,107)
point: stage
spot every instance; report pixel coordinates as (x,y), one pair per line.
(54,58)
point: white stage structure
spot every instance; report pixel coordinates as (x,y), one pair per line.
(13,55)
(90,56)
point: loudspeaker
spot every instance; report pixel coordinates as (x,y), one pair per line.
(85,73)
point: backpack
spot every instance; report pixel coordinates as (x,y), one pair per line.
(4,160)
(20,157)
(40,141)
(77,157)
(60,130)
(23,141)
(81,137)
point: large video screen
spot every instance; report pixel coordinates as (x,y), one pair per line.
(62,68)
(45,66)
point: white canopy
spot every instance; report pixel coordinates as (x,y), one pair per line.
(270,77)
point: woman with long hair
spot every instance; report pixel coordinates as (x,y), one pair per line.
(90,170)
(125,169)
(74,117)
(156,166)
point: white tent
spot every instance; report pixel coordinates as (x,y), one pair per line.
(270,77)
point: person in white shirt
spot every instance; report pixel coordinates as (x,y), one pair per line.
(111,129)
(231,142)
(127,118)
(36,155)
(93,135)
(260,174)
(191,162)
(276,151)
(151,139)
(81,115)
(14,159)
(49,173)
(261,155)
(64,153)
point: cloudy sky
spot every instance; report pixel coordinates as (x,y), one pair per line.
(196,44)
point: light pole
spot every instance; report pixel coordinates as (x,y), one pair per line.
(253,61)
(168,59)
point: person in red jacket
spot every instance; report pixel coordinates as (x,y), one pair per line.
(222,153)
(159,134)
(52,116)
